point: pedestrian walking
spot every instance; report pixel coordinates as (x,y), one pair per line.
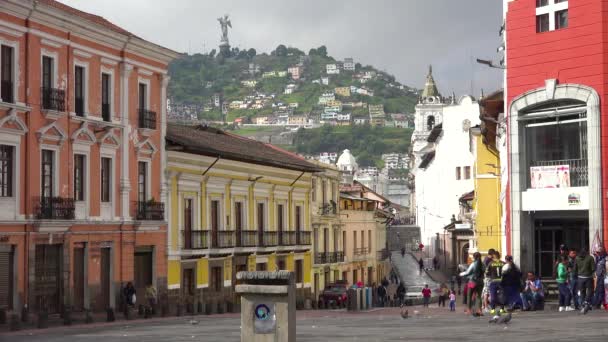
(459,282)
(435,263)
(426,296)
(443,295)
(452,301)
(511,283)
(421,264)
(401,293)
(600,274)
(381,295)
(485,293)
(474,276)
(129,294)
(494,274)
(562,285)
(585,268)
(573,278)
(151,297)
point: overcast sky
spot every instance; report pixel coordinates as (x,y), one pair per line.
(401,37)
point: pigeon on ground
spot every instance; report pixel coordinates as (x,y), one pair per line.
(504,319)
(494,319)
(193,322)
(404,313)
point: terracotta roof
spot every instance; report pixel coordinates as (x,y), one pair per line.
(87,16)
(214,142)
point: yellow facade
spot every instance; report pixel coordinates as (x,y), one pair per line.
(486,203)
(209,190)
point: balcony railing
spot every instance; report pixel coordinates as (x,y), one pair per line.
(337,257)
(105,112)
(6,91)
(579,170)
(249,238)
(150,210)
(147,119)
(225,239)
(322,258)
(303,238)
(53,99)
(383,254)
(404,220)
(328,209)
(360,253)
(270,238)
(287,238)
(55,208)
(195,239)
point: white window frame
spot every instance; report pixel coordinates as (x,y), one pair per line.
(14,141)
(220,215)
(15,46)
(85,150)
(147,82)
(551,9)
(85,82)
(110,72)
(56,150)
(111,154)
(54,56)
(148,162)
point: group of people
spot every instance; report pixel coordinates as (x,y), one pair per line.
(580,278)
(393,289)
(492,283)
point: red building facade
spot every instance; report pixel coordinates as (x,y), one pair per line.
(82,125)
(555,93)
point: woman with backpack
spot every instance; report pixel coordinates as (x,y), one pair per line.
(474,285)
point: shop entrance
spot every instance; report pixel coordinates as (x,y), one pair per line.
(550,234)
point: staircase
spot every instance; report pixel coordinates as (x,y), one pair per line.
(408,270)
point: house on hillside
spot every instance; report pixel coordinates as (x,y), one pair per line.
(349,64)
(295,72)
(249,83)
(342,91)
(332,69)
(325,80)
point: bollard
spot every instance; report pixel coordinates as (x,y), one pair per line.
(110,317)
(268,301)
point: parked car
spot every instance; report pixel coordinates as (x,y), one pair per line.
(334,293)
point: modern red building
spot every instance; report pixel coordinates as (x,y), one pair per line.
(556,80)
(82,121)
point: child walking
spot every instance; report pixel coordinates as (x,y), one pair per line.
(452,301)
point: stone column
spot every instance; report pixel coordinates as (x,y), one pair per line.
(125,183)
(163,132)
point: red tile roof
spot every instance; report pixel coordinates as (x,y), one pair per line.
(87,16)
(215,142)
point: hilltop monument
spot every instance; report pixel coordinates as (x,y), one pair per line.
(224,43)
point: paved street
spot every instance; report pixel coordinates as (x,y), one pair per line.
(380,325)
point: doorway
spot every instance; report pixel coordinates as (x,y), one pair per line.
(48,277)
(105,279)
(143,269)
(6,276)
(550,234)
(79,278)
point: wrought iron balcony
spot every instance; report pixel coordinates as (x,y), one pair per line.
(303,238)
(150,211)
(53,99)
(579,170)
(147,118)
(322,258)
(337,257)
(224,239)
(6,92)
(195,239)
(270,239)
(287,238)
(249,238)
(383,254)
(55,208)
(328,209)
(360,253)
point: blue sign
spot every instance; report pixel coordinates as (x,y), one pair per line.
(262,312)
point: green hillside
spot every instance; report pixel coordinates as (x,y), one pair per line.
(196,78)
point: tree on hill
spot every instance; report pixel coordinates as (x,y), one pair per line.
(251,53)
(280,51)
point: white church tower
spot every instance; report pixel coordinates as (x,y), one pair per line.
(429,113)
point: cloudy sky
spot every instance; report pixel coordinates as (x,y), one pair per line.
(401,37)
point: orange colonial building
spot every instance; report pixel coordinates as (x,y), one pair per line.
(81,148)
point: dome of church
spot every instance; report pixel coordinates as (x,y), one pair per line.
(347,162)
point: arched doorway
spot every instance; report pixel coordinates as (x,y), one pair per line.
(464,254)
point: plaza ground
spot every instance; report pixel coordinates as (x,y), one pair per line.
(433,324)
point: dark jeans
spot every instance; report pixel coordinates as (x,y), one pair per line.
(441,301)
(531,300)
(598,298)
(574,292)
(494,287)
(425,301)
(585,285)
(564,294)
(512,298)
(453,305)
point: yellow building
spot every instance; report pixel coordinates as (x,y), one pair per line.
(327,244)
(235,204)
(486,203)
(342,91)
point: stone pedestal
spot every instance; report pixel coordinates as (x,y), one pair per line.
(268,306)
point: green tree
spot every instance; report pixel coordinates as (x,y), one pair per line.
(322,51)
(251,53)
(280,51)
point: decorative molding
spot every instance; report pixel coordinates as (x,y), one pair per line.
(84,129)
(108,61)
(12,117)
(11,32)
(50,43)
(146,146)
(144,72)
(550,85)
(42,133)
(109,135)
(82,53)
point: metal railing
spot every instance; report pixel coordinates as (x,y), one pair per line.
(328,209)
(225,238)
(6,91)
(287,238)
(322,258)
(383,254)
(55,208)
(53,99)
(150,211)
(195,239)
(249,238)
(303,238)
(270,239)
(404,220)
(360,252)
(337,257)
(147,118)
(579,170)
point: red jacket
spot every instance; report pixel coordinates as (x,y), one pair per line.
(426,292)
